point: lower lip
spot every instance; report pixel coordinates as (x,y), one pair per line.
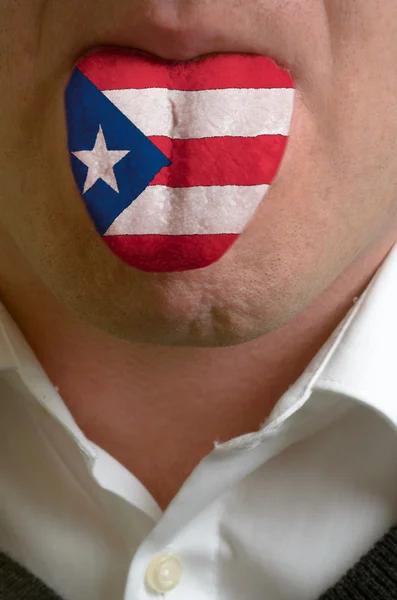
(173,159)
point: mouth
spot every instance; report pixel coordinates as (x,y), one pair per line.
(171,158)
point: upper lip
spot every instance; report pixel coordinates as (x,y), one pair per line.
(193,34)
(174,47)
(178,55)
(175,38)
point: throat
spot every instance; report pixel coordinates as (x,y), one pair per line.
(162,449)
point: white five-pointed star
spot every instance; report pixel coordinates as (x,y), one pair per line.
(100,162)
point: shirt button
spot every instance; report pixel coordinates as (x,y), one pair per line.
(163,574)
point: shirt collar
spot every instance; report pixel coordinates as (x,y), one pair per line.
(364,366)
(17,358)
(358,360)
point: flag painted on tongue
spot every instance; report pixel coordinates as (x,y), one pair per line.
(173,159)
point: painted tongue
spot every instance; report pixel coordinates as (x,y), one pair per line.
(173,159)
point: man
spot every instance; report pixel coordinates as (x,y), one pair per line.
(258,393)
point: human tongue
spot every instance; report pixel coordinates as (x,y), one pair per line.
(173,159)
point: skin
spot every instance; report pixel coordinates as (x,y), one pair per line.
(139,358)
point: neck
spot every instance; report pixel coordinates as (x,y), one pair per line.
(151,405)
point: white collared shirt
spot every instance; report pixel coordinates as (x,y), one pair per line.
(279,514)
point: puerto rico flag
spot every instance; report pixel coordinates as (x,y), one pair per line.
(173,159)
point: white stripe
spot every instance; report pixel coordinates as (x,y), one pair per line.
(209,113)
(189,211)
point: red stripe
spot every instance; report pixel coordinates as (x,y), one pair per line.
(220,160)
(161,253)
(114,69)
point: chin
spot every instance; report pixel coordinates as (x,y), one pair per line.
(215,307)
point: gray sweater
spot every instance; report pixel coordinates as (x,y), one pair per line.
(373,577)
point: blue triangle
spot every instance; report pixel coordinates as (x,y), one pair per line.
(86,109)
